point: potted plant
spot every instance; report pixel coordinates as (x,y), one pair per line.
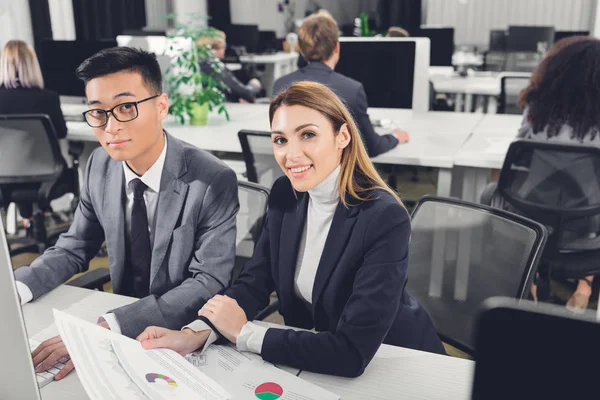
(193,93)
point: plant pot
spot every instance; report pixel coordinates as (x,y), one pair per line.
(198,114)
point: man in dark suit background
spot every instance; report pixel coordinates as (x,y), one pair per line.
(318,41)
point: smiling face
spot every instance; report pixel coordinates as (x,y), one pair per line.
(138,142)
(306,146)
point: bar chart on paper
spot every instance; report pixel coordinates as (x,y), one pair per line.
(268,391)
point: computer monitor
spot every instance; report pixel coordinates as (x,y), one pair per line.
(527,350)
(442,45)
(393,71)
(529,39)
(565,34)
(17,376)
(243,36)
(267,42)
(60,58)
(498,40)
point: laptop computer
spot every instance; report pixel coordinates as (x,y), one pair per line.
(527,350)
(18,379)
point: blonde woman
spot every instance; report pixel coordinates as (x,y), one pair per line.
(22,86)
(334,248)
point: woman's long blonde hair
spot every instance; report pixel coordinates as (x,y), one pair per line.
(19,66)
(358,177)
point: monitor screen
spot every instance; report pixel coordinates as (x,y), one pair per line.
(565,34)
(386,69)
(529,39)
(497,40)
(442,45)
(246,36)
(60,58)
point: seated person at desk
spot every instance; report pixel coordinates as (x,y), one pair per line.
(318,40)
(334,248)
(236,91)
(22,86)
(167,210)
(560,105)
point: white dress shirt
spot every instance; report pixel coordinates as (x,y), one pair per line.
(151,178)
(322,203)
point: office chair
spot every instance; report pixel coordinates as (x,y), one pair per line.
(557,185)
(257,150)
(462,253)
(511,86)
(33,172)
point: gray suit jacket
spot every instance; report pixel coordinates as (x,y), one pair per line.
(194,242)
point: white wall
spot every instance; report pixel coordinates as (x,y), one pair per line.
(473,19)
(182,9)
(595,31)
(156,10)
(263,13)
(15,21)
(62,19)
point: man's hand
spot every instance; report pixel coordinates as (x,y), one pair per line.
(401,135)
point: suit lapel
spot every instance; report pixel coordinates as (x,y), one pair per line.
(292,227)
(171,198)
(335,244)
(114,225)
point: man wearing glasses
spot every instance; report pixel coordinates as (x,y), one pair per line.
(166,210)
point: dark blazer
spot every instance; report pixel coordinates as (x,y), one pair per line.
(351,92)
(34,101)
(194,237)
(359,299)
(236,90)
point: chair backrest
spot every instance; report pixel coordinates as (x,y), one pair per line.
(254,200)
(257,149)
(29,149)
(462,253)
(510,88)
(557,185)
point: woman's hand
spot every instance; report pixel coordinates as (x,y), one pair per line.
(226,315)
(183,342)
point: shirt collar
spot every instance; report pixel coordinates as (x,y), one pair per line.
(151,178)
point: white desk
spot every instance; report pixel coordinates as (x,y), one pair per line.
(398,373)
(485,150)
(394,373)
(277,65)
(467,87)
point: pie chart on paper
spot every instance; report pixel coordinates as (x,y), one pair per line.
(268,391)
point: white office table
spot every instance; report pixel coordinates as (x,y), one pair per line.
(277,65)
(394,373)
(485,150)
(467,87)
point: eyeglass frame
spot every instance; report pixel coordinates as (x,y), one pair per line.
(135,104)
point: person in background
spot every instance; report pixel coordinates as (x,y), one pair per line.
(236,90)
(22,92)
(396,31)
(334,248)
(318,40)
(166,209)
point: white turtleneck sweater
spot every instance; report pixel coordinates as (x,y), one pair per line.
(322,203)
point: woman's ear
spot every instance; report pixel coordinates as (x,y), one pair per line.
(343,138)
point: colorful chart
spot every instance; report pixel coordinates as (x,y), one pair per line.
(268,391)
(153,377)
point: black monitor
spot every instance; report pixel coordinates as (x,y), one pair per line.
(441,45)
(530,351)
(60,58)
(246,36)
(267,42)
(565,34)
(497,40)
(526,38)
(385,68)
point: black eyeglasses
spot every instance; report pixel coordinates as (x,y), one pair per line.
(123,112)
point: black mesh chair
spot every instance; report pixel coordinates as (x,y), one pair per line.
(257,149)
(510,88)
(557,185)
(497,255)
(33,172)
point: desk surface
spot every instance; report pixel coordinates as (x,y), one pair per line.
(435,136)
(487,146)
(269,58)
(394,372)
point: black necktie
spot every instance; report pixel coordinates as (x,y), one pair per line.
(141,251)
